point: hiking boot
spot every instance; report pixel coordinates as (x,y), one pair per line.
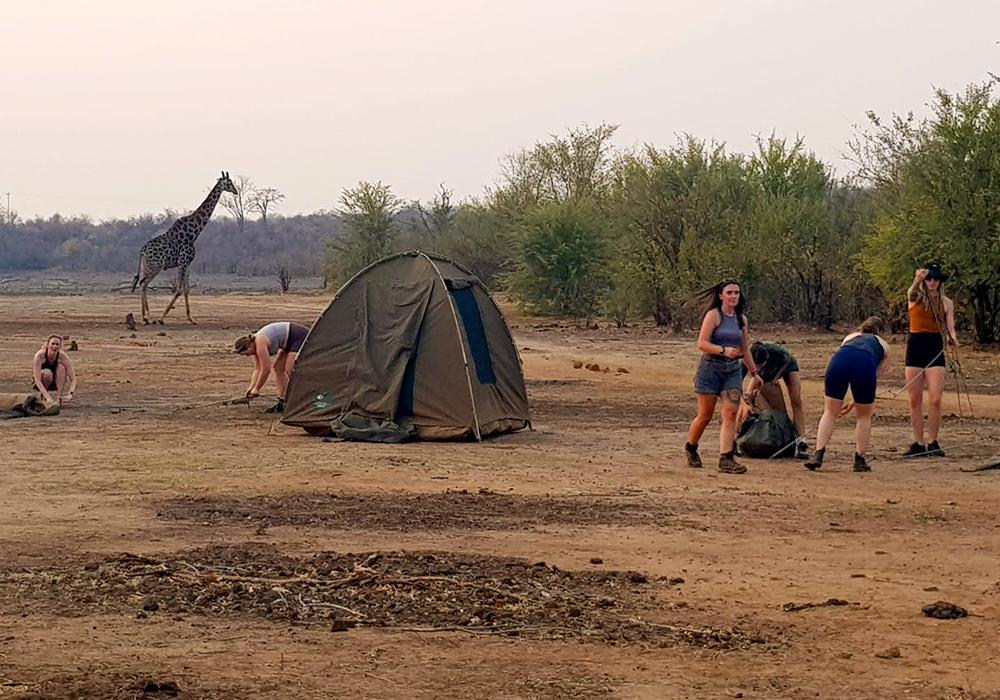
(278,407)
(801,449)
(691,452)
(860,463)
(915,450)
(934,449)
(728,465)
(816,461)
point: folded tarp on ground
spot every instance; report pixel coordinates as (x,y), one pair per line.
(25,406)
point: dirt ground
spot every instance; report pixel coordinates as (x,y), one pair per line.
(150,549)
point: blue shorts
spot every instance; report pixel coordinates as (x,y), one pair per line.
(854,368)
(716,376)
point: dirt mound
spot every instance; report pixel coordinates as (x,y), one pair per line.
(417,592)
(116,685)
(450,510)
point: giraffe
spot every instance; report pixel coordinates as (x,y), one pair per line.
(175,248)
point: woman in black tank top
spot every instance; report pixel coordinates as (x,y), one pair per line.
(52,371)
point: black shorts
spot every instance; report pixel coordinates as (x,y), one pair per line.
(854,369)
(793,366)
(925,350)
(296,336)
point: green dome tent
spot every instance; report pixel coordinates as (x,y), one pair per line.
(416,340)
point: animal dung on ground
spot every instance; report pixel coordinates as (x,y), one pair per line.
(593,367)
(596,560)
(577,364)
(943,610)
(622,370)
(890,653)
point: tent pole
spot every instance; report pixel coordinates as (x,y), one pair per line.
(465,357)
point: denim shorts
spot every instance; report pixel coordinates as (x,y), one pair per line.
(716,376)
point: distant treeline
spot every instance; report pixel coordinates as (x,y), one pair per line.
(79,244)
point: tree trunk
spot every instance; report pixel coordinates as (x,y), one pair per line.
(661,309)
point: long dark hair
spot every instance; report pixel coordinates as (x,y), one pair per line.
(711,299)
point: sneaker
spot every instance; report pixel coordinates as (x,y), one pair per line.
(934,449)
(691,451)
(801,450)
(278,407)
(860,463)
(915,450)
(816,461)
(728,465)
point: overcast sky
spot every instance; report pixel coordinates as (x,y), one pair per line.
(118,107)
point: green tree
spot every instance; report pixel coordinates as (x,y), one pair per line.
(571,167)
(368,212)
(677,216)
(561,266)
(800,241)
(937,197)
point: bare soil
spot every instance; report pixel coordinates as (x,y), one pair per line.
(153,546)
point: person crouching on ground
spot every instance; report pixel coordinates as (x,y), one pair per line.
(932,315)
(776,363)
(858,363)
(282,341)
(723,340)
(52,371)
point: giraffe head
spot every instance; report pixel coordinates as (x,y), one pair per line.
(226,184)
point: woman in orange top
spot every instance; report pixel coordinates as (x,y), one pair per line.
(932,317)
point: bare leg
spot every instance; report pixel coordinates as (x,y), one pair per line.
(280,369)
(706,409)
(727,433)
(48,381)
(794,384)
(916,392)
(863,429)
(935,392)
(831,409)
(60,381)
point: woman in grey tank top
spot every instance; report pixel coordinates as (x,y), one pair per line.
(724,342)
(281,340)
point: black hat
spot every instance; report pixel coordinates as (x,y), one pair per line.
(934,272)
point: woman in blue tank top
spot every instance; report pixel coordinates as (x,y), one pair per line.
(858,363)
(723,340)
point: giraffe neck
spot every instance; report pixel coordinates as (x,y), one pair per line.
(200,216)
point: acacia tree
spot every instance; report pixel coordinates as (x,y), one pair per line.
(368,212)
(937,199)
(433,223)
(262,200)
(238,205)
(676,212)
(561,267)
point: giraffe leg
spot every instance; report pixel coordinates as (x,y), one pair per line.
(187,304)
(178,289)
(145,304)
(169,306)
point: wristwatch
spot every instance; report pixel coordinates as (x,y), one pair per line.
(722,351)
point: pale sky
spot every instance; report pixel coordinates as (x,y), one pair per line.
(118,107)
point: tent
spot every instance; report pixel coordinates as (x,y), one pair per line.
(416,340)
